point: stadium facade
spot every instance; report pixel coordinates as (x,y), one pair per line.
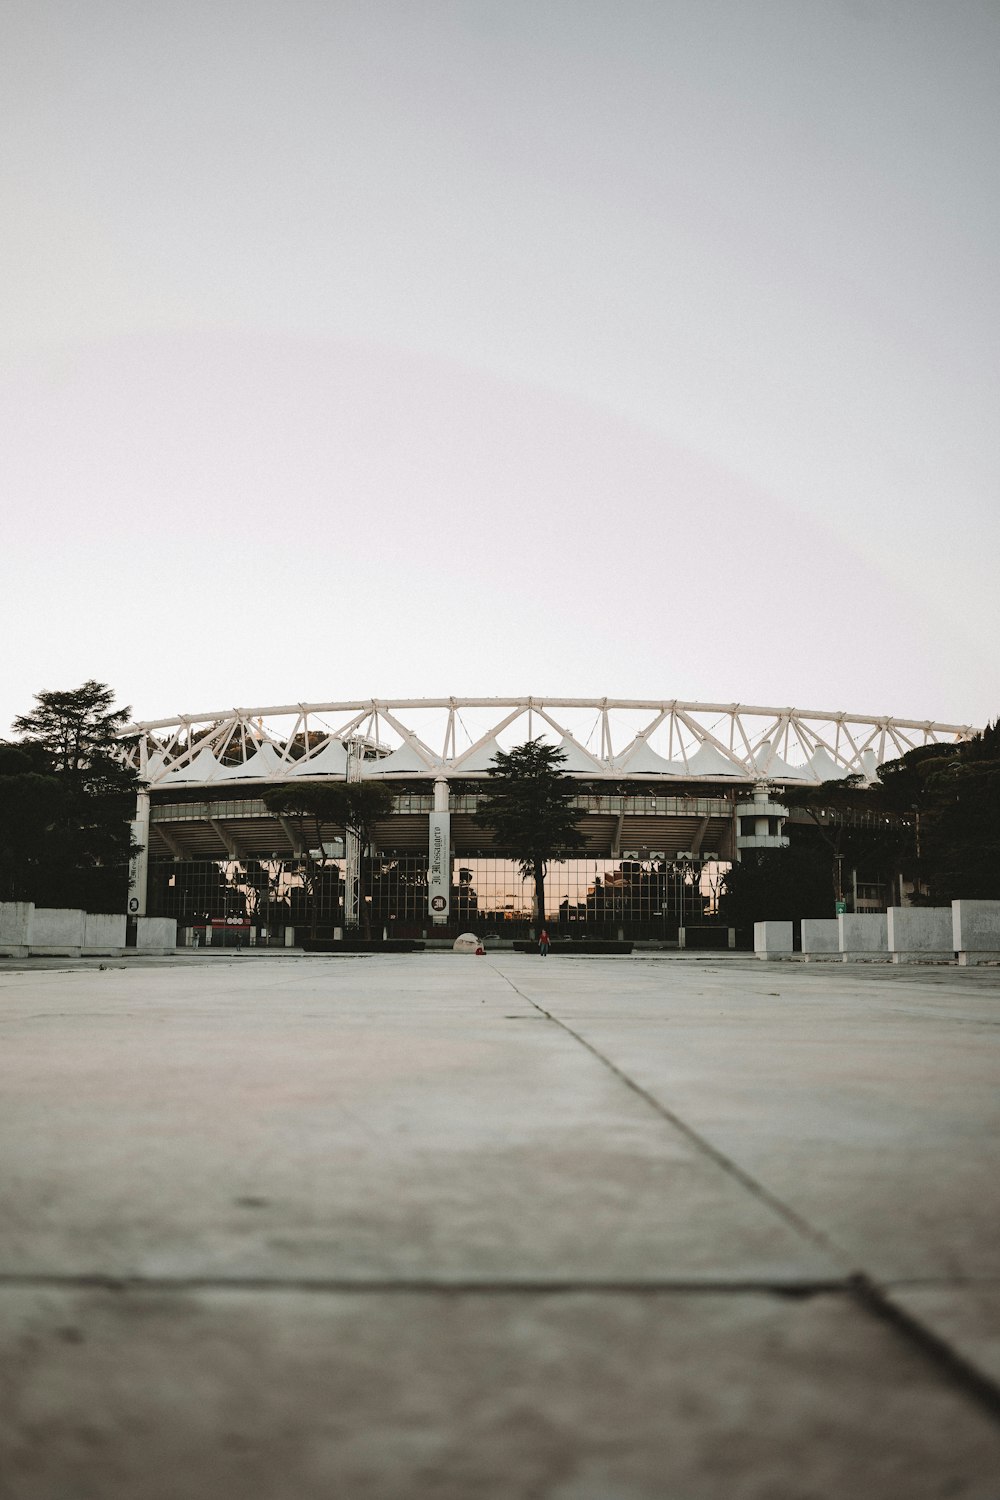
(669,794)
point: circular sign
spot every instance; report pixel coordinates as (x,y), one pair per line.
(438,903)
(134,904)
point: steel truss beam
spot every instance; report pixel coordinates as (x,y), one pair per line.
(653,741)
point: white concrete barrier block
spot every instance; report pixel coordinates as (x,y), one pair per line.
(103,932)
(57,930)
(976,931)
(156,934)
(15,927)
(820,937)
(772,939)
(920,932)
(863,937)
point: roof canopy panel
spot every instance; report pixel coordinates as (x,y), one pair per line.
(644,761)
(263,764)
(480,759)
(203,767)
(708,761)
(403,761)
(774,768)
(330,761)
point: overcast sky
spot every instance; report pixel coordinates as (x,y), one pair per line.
(583,347)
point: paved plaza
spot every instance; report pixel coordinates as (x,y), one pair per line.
(436,1226)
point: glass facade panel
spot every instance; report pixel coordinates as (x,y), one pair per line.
(272,894)
(583,897)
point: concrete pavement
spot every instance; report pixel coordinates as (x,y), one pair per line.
(439,1226)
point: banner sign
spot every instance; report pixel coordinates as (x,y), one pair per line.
(439,865)
(137,869)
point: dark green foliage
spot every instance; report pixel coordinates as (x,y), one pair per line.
(955,803)
(832,808)
(66,803)
(777,885)
(933,815)
(902,784)
(530,811)
(355,806)
(856,822)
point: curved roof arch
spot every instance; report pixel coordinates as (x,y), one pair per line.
(643,741)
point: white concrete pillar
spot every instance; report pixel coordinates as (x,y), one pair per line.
(352,848)
(760,823)
(138,865)
(439,856)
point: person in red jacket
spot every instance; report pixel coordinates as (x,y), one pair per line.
(543,942)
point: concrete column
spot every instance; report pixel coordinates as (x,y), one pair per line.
(352,870)
(760,823)
(439,856)
(138,867)
(352,849)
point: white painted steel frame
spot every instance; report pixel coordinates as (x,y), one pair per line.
(740,743)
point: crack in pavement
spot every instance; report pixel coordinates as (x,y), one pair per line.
(751,1184)
(460,1286)
(873,1297)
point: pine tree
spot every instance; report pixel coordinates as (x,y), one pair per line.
(530,811)
(74,848)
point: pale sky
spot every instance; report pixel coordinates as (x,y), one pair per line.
(641,348)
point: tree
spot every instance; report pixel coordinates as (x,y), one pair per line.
(355,806)
(830,807)
(31,805)
(776,885)
(69,840)
(530,811)
(953,794)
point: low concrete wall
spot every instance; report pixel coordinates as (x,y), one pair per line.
(103,932)
(772,939)
(863,938)
(156,934)
(920,932)
(15,927)
(820,938)
(57,930)
(976,931)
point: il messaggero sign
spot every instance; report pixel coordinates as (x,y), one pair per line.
(439,865)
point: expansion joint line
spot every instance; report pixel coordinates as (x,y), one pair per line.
(873,1299)
(732,1169)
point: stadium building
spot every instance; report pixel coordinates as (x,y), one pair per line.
(669,794)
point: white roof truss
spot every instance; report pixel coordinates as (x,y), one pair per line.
(666,737)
